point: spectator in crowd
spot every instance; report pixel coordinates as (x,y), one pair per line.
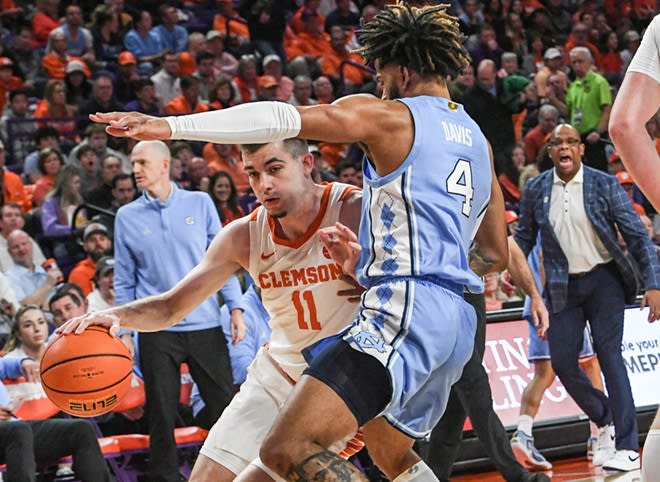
(510,176)
(188,102)
(225,197)
(485,102)
(331,63)
(631,41)
(197,171)
(222,94)
(196,44)
(8,81)
(246,80)
(67,302)
(196,339)
(302,91)
(96,137)
(611,61)
(553,62)
(223,62)
(78,87)
(103,296)
(628,185)
(346,172)
(463,81)
(580,263)
(166,80)
(206,74)
(230,24)
(588,104)
(31,283)
(49,164)
(45,136)
(127,73)
(26,57)
(29,334)
(88,160)
(45,20)
(96,244)
(145,94)
(559,20)
(123,190)
(11,219)
(487,48)
(58,209)
(54,106)
(343,16)
(323,90)
(556,91)
(17,130)
(537,137)
(580,38)
(13,190)
(311,42)
(225,157)
(102,196)
(267,88)
(55,61)
(103,99)
(266,24)
(24,444)
(106,38)
(79,42)
(471,18)
(272,65)
(142,42)
(308,6)
(173,37)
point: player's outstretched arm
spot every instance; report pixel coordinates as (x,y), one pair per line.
(226,254)
(636,103)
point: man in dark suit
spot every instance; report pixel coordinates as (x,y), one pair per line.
(577,210)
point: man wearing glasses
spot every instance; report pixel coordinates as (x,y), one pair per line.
(577,210)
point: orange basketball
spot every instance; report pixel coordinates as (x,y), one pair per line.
(88,374)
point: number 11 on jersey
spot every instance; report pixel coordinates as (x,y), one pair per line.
(305,306)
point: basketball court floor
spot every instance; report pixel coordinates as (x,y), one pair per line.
(566,470)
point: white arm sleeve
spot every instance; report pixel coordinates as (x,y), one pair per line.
(647,57)
(251,123)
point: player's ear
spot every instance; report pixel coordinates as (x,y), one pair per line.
(405,76)
(308,163)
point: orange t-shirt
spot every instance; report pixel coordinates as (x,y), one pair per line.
(235,171)
(305,44)
(42,25)
(65,128)
(82,274)
(179,105)
(237,28)
(56,66)
(297,23)
(330,67)
(13,191)
(43,185)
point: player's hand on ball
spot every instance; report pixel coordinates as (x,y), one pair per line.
(101,318)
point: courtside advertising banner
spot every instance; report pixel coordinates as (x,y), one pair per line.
(509,372)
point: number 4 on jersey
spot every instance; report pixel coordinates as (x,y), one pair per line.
(460,182)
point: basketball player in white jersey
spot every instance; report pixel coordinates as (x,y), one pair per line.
(299,284)
(636,103)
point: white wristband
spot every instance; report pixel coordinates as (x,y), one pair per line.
(251,123)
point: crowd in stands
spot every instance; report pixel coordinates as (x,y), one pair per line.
(535,64)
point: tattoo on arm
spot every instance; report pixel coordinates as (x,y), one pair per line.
(325,467)
(480,263)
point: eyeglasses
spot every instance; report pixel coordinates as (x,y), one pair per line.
(571,141)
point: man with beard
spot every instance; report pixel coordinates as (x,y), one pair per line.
(96,244)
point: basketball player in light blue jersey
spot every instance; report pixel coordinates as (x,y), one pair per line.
(429,188)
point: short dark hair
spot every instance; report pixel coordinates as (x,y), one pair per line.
(71,290)
(84,149)
(15,93)
(295,146)
(120,177)
(187,81)
(138,84)
(44,132)
(12,205)
(203,55)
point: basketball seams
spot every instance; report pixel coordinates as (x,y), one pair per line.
(91,355)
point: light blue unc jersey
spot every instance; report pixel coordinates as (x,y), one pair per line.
(420,220)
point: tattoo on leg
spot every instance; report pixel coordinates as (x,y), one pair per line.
(325,467)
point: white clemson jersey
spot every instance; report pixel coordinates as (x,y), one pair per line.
(299,282)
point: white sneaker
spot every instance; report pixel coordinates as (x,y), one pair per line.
(623,461)
(605,447)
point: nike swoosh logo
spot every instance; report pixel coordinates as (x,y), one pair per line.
(633,459)
(612,437)
(266,256)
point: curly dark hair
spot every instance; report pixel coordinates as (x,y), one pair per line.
(425,39)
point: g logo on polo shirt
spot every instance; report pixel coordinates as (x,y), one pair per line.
(189,220)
